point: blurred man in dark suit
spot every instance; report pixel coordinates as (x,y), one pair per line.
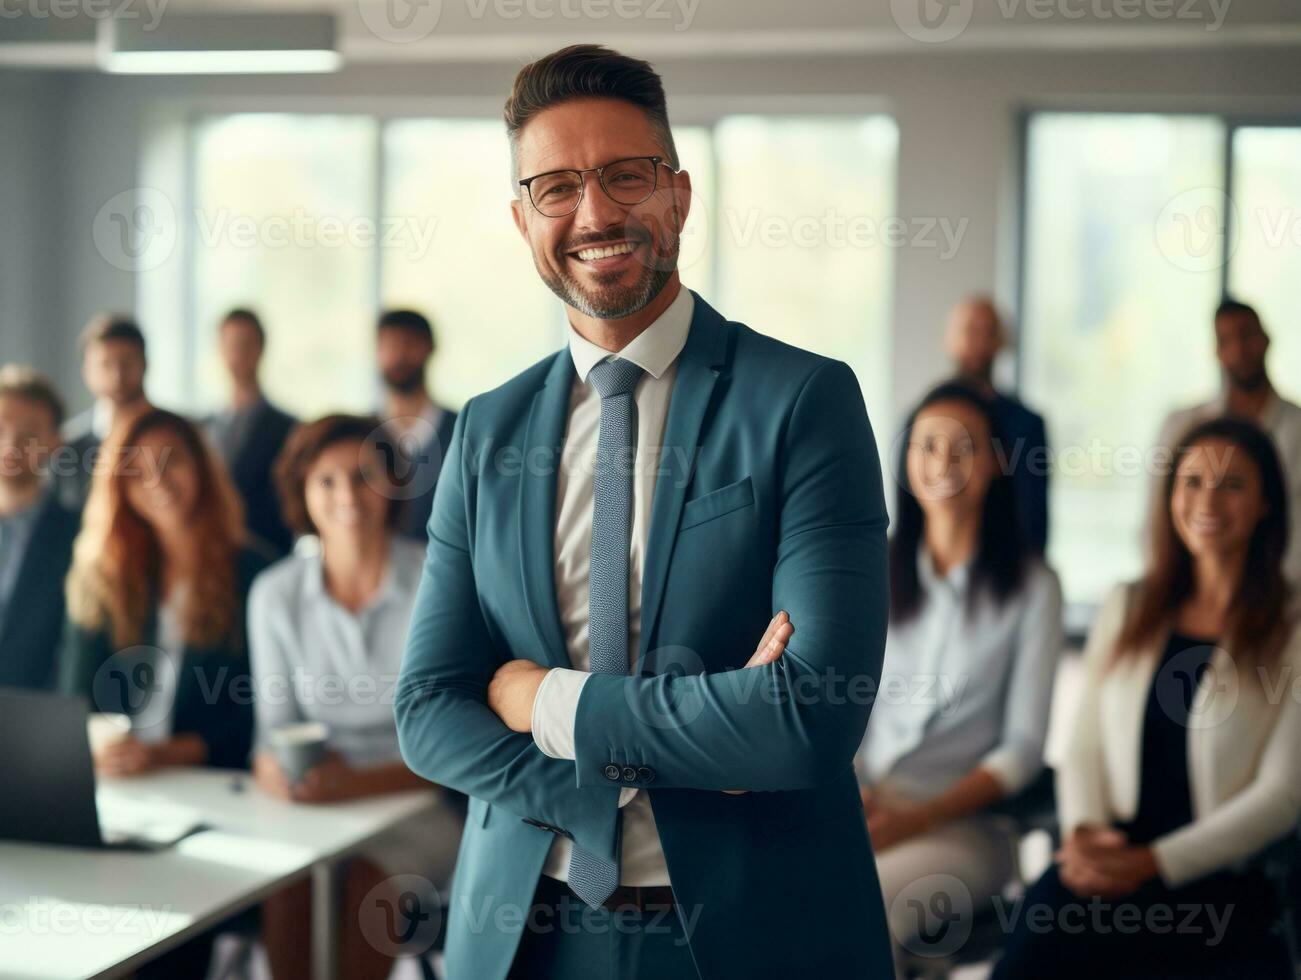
(975,336)
(113,366)
(36,531)
(417,430)
(250,431)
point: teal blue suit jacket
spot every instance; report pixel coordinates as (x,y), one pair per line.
(768,497)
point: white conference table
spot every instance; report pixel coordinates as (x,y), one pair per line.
(70,913)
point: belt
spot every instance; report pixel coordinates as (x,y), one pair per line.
(643,898)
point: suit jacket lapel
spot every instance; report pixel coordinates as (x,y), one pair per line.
(699,366)
(543,441)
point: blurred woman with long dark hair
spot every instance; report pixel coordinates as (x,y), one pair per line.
(975,631)
(1186,756)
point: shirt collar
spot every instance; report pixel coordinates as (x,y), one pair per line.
(653,350)
(101,418)
(1268,413)
(314,578)
(957,578)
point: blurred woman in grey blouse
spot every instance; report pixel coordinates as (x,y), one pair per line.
(327,631)
(975,631)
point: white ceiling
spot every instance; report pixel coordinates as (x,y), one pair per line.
(381,31)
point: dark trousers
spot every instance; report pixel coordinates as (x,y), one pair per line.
(1219,927)
(566,940)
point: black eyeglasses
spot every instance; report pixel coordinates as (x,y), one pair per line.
(630,181)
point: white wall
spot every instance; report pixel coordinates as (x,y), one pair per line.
(82,137)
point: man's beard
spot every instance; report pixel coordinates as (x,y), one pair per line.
(404,380)
(1251,382)
(610,301)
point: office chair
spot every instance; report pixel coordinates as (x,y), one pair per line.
(1032,810)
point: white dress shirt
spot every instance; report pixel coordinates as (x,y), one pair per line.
(314,660)
(966,682)
(655,350)
(1282,420)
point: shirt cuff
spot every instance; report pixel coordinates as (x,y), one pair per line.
(1014,769)
(555,711)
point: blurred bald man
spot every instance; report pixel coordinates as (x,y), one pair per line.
(974,337)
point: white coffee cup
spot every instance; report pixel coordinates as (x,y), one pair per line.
(105,729)
(299,746)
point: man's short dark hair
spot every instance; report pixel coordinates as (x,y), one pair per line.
(21,381)
(585,71)
(242,314)
(106,327)
(1232,307)
(408,320)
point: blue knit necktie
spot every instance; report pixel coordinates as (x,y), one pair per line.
(593,878)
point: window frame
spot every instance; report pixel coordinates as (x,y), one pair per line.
(1078,615)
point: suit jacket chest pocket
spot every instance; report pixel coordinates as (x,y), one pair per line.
(717,503)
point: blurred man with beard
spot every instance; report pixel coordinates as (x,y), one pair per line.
(418,430)
(1240,346)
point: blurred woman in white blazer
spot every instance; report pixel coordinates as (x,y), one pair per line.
(1186,756)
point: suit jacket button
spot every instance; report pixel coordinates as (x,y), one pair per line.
(629,774)
(645,774)
(612,771)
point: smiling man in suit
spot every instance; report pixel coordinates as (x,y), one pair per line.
(652,794)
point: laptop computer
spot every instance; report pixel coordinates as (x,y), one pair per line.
(48,780)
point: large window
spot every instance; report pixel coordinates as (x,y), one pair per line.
(317,221)
(283,208)
(1130,239)
(1265,266)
